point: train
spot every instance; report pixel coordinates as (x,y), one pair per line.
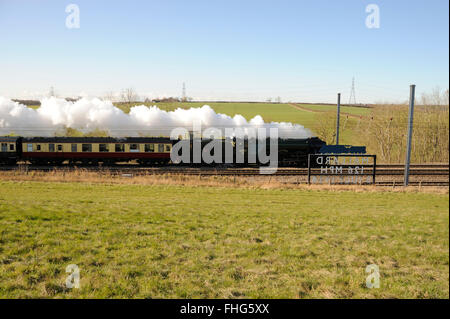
(151,151)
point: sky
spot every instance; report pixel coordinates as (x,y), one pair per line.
(245,50)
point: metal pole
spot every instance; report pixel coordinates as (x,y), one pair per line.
(338,116)
(410,128)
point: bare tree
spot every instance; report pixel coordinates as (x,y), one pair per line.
(437,97)
(325,127)
(109,96)
(129,95)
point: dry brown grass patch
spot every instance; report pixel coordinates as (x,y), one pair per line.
(260,182)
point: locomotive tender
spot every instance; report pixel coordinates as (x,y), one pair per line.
(145,150)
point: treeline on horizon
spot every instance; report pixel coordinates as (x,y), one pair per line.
(173,100)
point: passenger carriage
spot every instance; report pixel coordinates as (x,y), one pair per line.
(93,150)
(9,154)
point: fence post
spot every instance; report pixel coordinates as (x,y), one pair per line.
(410,128)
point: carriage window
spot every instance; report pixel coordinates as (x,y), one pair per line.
(103,148)
(74,148)
(38,147)
(11,147)
(51,147)
(160,148)
(120,147)
(134,148)
(4,147)
(86,147)
(149,147)
(167,146)
(60,147)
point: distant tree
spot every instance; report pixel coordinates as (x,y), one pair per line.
(109,96)
(129,95)
(325,127)
(437,97)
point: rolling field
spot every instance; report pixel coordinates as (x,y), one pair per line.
(345,109)
(144,241)
(269,111)
(306,115)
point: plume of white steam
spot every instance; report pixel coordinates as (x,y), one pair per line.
(87,115)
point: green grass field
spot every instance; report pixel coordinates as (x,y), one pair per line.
(273,112)
(269,111)
(345,109)
(168,241)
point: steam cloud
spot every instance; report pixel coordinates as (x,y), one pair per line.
(87,115)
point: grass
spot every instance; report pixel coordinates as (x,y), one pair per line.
(273,112)
(270,112)
(345,109)
(161,241)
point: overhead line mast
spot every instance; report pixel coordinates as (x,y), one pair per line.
(352,93)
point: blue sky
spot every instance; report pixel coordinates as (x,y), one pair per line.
(225,50)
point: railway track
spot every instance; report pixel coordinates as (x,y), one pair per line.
(429,174)
(430,170)
(418,166)
(420,183)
